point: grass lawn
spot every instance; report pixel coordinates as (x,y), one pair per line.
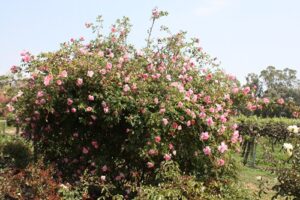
(247,175)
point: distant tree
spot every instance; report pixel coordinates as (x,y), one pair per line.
(274,84)
(253,81)
(279,83)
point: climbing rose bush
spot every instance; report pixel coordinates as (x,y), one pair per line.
(121,112)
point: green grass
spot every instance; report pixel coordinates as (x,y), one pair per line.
(247,174)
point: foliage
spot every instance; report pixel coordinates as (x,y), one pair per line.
(189,188)
(34,182)
(170,184)
(14,152)
(275,128)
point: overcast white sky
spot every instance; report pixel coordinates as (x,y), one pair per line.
(246,36)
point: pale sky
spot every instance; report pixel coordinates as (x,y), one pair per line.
(246,36)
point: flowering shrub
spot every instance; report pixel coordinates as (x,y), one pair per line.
(121,112)
(289,172)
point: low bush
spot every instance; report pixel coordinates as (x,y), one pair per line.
(14,152)
(169,184)
(34,182)
(274,128)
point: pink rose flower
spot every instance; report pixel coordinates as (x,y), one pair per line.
(85,150)
(235,90)
(91,98)
(162,110)
(108,66)
(10,108)
(42,101)
(26,57)
(207,151)
(209,121)
(89,109)
(48,79)
(73,110)
(165,121)
(167,157)
(69,101)
(90,74)
(180,104)
(223,119)
(235,137)
(95,144)
(40,94)
(202,115)
(64,74)
(79,82)
(188,123)
(104,168)
(155,13)
(157,139)
(168,77)
(266,100)
(152,152)
(150,165)
(174,125)
(207,99)
(234,126)
(59,82)
(100,54)
(208,77)
(223,147)
(246,90)
(106,109)
(220,162)
(103,178)
(204,136)
(126,88)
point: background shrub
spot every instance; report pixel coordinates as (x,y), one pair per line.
(33,182)
(14,152)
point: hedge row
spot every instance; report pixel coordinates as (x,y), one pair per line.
(275,128)
(251,128)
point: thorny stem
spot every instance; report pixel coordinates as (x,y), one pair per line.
(150,32)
